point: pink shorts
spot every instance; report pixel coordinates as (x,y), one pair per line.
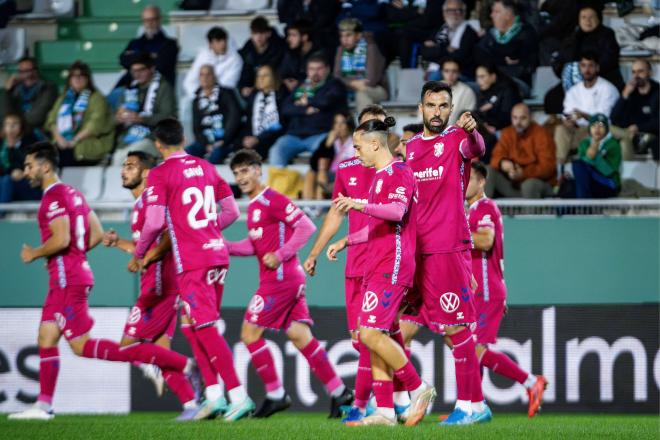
(353,289)
(277,306)
(152,316)
(201,294)
(489,318)
(380,304)
(68,308)
(443,282)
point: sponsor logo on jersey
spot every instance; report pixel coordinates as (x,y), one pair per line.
(151,197)
(54,209)
(352,181)
(429,174)
(438,149)
(379,186)
(411,155)
(256,233)
(449,302)
(256,215)
(77,201)
(193,172)
(214,243)
(293,213)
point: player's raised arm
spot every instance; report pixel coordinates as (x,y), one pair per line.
(473,145)
(95,230)
(58,241)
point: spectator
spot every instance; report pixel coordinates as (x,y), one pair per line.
(14,144)
(590,96)
(216,118)
(156,43)
(30,95)
(300,47)
(463,97)
(371,14)
(143,104)
(265,46)
(409,131)
(561,21)
(635,114)
(455,39)
(321,16)
(221,53)
(523,161)
(310,110)
(590,36)
(360,65)
(496,99)
(323,164)
(80,123)
(510,44)
(599,159)
(265,123)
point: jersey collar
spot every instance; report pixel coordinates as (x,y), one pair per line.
(477,201)
(387,166)
(51,185)
(258,196)
(177,155)
(439,134)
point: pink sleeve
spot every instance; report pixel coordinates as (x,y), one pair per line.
(386,211)
(302,232)
(229,212)
(243,248)
(154,221)
(358,237)
(473,145)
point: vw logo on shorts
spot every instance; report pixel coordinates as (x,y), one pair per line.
(135,315)
(256,304)
(449,302)
(61,320)
(369,302)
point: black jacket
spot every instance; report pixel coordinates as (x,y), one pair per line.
(294,64)
(329,99)
(641,110)
(523,47)
(227,106)
(464,54)
(17,155)
(503,95)
(252,59)
(164,49)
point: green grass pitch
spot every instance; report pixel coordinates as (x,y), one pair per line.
(316,426)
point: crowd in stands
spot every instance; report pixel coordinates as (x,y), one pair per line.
(291,95)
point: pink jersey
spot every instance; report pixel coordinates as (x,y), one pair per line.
(488,267)
(271,217)
(161,276)
(354,180)
(442,174)
(391,245)
(69,267)
(189,188)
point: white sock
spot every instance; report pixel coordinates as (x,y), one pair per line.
(387,412)
(213,392)
(531,380)
(401,398)
(190,364)
(465,406)
(338,391)
(237,395)
(190,404)
(276,394)
(417,391)
(478,407)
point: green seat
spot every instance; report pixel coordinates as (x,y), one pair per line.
(93,29)
(125,8)
(101,54)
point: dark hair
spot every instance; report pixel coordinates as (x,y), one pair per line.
(146,160)
(449,60)
(277,82)
(216,33)
(598,9)
(45,150)
(374,125)
(480,169)
(143,58)
(489,66)
(318,57)
(259,25)
(21,120)
(372,109)
(350,122)
(84,70)
(435,87)
(245,157)
(589,55)
(303,26)
(29,59)
(510,4)
(169,131)
(414,128)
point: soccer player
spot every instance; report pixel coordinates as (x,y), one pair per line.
(490,297)
(69,229)
(277,230)
(153,318)
(388,272)
(183,193)
(440,159)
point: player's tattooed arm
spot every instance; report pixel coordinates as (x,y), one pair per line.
(95,230)
(58,241)
(483,239)
(329,228)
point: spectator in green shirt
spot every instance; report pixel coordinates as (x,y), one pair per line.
(597,169)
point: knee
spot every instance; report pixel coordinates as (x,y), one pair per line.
(300,335)
(249,335)
(78,346)
(480,349)
(370,337)
(49,335)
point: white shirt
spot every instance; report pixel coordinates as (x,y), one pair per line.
(599,98)
(227,68)
(463,98)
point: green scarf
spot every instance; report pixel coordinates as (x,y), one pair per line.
(307,89)
(508,35)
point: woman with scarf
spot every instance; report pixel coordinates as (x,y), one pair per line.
(15,141)
(216,118)
(80,122)
(597,169)
(264,119)
(360,65)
